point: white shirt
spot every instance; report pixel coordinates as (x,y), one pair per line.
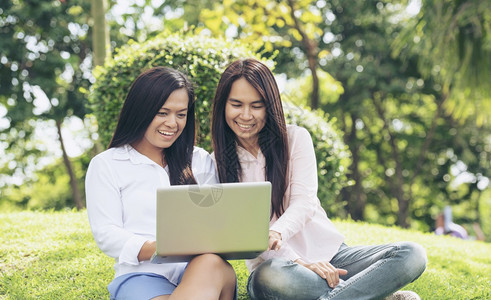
(305,229)
(121,186)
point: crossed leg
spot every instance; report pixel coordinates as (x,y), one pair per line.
(207,277)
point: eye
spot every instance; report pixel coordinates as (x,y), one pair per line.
(181,116)
(234,103)
(162,113)
(258,106)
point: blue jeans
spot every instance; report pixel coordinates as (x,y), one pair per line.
(373,273)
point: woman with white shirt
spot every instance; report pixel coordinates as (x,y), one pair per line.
(307,258)
(152,146)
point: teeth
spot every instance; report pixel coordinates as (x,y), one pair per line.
(168,133)
(244,126)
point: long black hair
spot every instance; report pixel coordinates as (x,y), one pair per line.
(272,139)
(147,95)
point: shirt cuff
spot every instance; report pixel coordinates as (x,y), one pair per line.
(285,252)
(131,249)
(281,229)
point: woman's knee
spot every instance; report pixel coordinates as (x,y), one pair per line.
(415,258)
(270,271)
(272,277)
(213,262)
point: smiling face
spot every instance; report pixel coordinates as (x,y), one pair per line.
(165,127)
(245,113)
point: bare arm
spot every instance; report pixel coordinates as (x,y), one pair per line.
(147,250)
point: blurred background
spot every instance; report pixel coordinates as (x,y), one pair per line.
(406,83)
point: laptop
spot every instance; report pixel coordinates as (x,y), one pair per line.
(228,219)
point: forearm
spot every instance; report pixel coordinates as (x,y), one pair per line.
(146,251)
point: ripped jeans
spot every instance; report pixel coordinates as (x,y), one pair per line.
(374,272)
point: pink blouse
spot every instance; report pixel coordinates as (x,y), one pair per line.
(305,229)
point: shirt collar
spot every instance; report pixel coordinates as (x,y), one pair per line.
(246,156)
(127,152)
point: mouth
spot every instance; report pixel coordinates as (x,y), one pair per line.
(245,126)
(166,133)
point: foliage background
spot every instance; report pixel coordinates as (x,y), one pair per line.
(203,59)
(405,90)
(405,82)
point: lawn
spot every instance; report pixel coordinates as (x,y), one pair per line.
(51,255)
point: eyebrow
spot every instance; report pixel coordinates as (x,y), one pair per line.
(253,102)
(164,108)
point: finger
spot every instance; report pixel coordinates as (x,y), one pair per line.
(319,271)
(274,240)
(332,276)
(271,243)
(278,245)
(274,244)
(332,279)
(335,272)
(342,272)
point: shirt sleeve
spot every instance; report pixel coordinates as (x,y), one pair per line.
(105,212)
(204,169)
(303,201)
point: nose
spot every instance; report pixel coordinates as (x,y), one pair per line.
(171,121)
(246,113)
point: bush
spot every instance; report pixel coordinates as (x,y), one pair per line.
(333,156)
(203,59)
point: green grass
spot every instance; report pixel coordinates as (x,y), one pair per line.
(52,256)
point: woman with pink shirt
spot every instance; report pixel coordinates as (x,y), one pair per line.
(307,258)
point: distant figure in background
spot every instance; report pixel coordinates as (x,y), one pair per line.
(444,225)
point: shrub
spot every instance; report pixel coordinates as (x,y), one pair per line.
(203,59)
(333,156)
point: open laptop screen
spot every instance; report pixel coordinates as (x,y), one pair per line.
(229,219)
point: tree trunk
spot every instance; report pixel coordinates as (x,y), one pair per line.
(426,145)
(311,52)
(358,197)
(77,198)
(429,137)
(100,36)
(314,100)
(100,42)
(398,183)
(355,196)
(403,203)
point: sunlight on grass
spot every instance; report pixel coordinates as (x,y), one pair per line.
(51,255)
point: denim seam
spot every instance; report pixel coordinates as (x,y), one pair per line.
(361,258)
(335,293)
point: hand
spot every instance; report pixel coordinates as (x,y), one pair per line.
(325,270)
(274,240)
